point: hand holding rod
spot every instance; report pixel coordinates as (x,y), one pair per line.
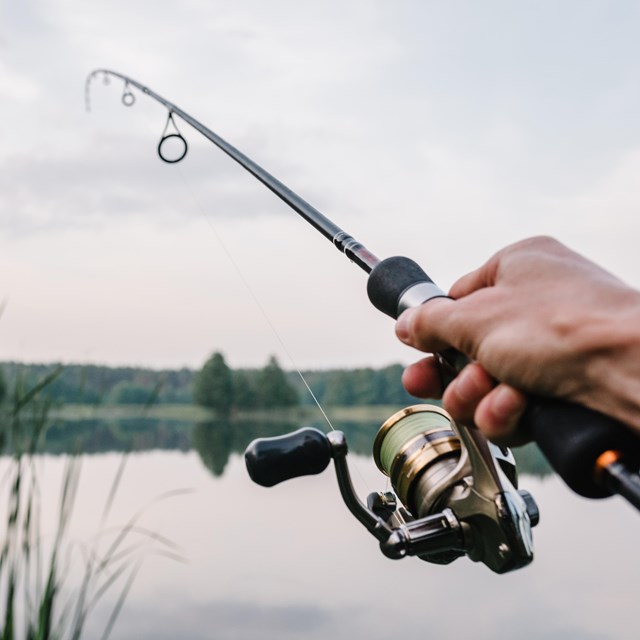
(572,437)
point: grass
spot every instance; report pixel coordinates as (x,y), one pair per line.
(35,602)
(194,413)
(181,412)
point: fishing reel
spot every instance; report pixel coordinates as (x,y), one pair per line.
(455,492)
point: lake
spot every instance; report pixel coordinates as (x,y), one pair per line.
(292,562)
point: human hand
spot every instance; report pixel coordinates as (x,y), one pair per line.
(540,319)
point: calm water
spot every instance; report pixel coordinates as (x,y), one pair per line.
(291,561)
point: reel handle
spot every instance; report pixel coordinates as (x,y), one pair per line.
(303,452)
(571,436)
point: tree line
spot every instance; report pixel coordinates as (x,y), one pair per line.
(217,387)
(259,388)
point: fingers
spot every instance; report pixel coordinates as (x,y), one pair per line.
(442,323)
(474,397)
(423,379)
(520,256)
(483,277)
(498,414)
(466,391)
(420,327)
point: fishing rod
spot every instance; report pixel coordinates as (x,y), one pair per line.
(457,491)
(343,242)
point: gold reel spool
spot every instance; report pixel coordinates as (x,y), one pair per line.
(417,447)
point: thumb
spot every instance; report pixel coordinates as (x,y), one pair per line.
(425,327)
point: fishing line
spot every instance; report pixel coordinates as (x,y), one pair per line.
(200,208)
(254,297)
(128,100)
(187,185)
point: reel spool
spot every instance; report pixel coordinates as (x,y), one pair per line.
(416,447)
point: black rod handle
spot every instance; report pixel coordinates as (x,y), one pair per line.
(571,436)
(301,453)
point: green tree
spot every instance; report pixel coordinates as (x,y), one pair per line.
(3,386)
(339,390)
(245,389)
(213,385)
(390,385)
(365,386)
(129,393)
(274,389)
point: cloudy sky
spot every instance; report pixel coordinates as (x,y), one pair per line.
(438,130)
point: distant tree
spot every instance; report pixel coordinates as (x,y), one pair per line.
(366,390)
(245,389)
(339,390)
(3,386)
(130,393)
(274,389)
(392,391)
(213,385)
(317,381)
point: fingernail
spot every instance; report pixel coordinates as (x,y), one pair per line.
(403,325)
(507,404)
(466,386)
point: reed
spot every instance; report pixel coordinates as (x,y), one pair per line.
(35,601)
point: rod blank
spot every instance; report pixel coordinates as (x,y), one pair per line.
(345,243)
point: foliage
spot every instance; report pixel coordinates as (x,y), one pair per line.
(213,385)
(245,386)
(339,391)
(355,387)
(130,393)
(218,387)
(274,389)
(34,602)
(3,386)
(95,384)
(252,389)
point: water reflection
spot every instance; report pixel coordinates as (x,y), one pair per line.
(291,562)
(214,443)
(216,440)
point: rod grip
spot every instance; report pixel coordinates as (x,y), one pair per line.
(571,436)
(391,279)
(300,453)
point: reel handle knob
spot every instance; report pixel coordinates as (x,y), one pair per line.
(571,436)
(301,453)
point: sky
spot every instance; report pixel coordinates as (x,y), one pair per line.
(439,130)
